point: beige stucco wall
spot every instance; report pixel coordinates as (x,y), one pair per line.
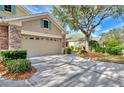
(35,26)
(41,47)
(74,43)
(19,12)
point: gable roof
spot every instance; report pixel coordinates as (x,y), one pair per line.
(34,16)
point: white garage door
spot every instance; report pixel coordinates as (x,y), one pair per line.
(38,46)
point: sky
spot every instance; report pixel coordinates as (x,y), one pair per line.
(107,25)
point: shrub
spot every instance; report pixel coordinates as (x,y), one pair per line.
(112,43)
(77,49)
(100,49)
(93,45)
(108,50)
(117,50)
(67,51)
(5,61)
(18,66)
(13,54)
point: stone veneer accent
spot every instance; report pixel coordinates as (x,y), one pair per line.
(14,37)
(3,37)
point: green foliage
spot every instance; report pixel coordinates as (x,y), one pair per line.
(18,66)
(93,44)
(67,51)
(77,49)
(13,54)
(100,49)
(5,61)
(117,50)
(81,18)
(109,43)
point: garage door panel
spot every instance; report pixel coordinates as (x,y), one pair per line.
(41,47)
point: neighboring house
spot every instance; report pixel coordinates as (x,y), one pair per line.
(74,39)
(39,34)
(78,39)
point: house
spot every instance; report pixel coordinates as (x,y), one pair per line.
(77,40)
(74,39)
(39,34)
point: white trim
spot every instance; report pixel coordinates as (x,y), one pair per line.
(39,34)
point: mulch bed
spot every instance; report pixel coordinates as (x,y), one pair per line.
(100,57)
(16,76)
(2,69)
(91,54)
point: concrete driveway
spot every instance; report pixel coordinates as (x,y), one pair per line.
(70,71)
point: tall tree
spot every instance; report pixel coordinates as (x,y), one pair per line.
(84,18)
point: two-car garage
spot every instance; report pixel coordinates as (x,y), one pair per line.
(38,46)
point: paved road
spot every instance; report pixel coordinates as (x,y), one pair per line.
(70,71)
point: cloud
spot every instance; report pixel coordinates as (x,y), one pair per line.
(38,8)
(99,28)
(117,26)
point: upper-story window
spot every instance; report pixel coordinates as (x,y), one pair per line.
(46,24)
(8,8)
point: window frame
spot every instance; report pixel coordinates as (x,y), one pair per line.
(46,24)
(8,8)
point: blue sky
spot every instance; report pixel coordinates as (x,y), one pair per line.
(107,25)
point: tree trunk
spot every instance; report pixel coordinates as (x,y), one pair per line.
(87,43)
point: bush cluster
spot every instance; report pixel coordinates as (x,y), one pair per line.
(15,61)
(13,54)
(100,49)
(67,51)
(18,66)
(117,50)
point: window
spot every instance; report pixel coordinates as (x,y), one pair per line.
(8,8)
(37,38)
(31,38)
(46,24)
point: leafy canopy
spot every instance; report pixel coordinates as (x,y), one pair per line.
(84,18)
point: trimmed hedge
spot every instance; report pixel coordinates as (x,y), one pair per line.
(13,54)
(67,51)
(18,66)
(117,50)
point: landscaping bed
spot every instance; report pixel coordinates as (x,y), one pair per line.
(91,54)
(15,66)
(103,57)
(16,76)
